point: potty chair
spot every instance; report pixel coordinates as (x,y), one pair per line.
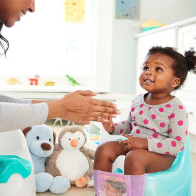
(16,166)
(176,181)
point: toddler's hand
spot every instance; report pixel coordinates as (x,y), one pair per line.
(135,142)
(108,125)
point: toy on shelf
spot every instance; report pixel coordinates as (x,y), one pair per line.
(34,81)
(151,24)
(41,140)
(12,81)
(49,83)
(72,81)
(70,158)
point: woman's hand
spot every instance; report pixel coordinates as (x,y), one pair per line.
(108,125)
(79,107)
(135,142)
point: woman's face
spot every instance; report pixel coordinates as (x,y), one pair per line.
(12,10)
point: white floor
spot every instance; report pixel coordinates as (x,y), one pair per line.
(73,191)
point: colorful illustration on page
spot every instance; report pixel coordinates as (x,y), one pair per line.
(110,186)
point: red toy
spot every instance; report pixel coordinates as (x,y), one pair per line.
(34,81)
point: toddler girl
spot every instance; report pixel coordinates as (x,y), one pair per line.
(157,125)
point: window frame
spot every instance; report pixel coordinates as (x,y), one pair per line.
(101,55)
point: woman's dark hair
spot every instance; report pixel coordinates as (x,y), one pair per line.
(181,65)
(4,40)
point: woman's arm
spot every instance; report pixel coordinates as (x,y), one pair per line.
(81,108)
(18,116)
(76,107)
(8,99)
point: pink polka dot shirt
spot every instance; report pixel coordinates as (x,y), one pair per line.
(165,125)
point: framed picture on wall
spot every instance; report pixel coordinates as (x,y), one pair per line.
(127,9)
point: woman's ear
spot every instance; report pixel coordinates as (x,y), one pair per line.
(175,82)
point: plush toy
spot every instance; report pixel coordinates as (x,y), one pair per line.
(41,140)
(70,158)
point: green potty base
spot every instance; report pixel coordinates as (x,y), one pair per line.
(10,164)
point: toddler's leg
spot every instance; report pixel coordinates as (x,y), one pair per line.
(104,157)
(141,161)
(106,154)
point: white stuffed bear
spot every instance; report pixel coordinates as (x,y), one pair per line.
(41,140)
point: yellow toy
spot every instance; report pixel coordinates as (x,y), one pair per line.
(49,83)
(12,81)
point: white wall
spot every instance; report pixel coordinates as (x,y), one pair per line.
(167,11)
(123,76)
(123,57)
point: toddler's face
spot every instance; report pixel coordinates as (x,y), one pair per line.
(157,75)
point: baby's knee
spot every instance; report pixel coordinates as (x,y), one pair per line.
(135,159)
(103,150)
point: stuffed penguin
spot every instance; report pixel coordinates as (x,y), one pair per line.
(70,158)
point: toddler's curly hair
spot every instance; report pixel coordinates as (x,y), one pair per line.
(181,65)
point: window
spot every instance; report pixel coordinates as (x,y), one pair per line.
(44,44)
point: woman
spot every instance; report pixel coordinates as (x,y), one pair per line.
(76,107)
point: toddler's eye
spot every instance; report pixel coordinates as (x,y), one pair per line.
(145,68)
(159,69)
(37,137)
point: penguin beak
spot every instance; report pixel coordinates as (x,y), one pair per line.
(74,143)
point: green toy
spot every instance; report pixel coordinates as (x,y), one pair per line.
(72,81)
